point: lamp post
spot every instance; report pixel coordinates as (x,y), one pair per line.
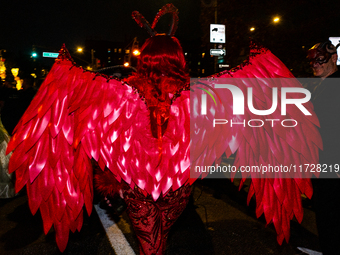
(81,51)
(92,59)
(133,50)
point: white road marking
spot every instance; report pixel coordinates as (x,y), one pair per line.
(308,251)
(117,239)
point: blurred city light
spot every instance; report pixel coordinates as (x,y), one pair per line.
(15,71)
(276,19)
(79,49)
(2,66)
(126,64)
(136,52)
(252,29)
(34,54)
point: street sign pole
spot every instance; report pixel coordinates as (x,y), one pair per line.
(217,35)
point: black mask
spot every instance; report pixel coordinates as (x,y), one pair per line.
(320,53)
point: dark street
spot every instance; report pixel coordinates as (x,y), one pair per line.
(216,221)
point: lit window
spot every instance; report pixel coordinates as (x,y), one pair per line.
(119,50)
(203,54)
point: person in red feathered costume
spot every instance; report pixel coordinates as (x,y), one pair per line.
(161,75)
(138,131)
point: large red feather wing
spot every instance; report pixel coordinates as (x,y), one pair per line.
(118,136)
(279,199)
(79,115)
(58,176)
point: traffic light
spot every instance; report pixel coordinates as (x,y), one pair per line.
(98,65)
(34,52)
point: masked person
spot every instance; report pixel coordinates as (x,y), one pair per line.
(323,58)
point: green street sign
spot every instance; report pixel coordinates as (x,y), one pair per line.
(50,55)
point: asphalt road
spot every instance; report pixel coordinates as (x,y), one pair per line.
(216,221)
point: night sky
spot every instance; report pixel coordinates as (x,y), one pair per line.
(49,24)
